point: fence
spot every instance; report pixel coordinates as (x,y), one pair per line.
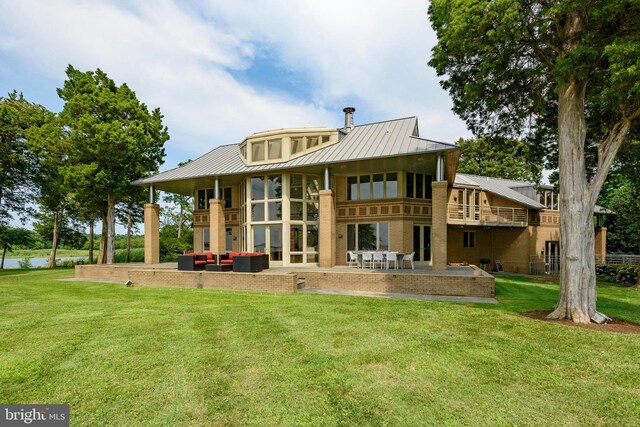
(550,265)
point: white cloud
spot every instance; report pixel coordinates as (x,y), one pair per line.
(182,59)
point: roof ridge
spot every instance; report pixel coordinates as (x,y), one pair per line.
(386,121)
(433,140)
(496,178)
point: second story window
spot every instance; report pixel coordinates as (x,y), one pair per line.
(375,186)
(418,186)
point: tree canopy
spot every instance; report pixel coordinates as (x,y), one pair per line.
(499,158)
(565,72)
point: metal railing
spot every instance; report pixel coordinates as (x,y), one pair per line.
(486,215)
(617,259)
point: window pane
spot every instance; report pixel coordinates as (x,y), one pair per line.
(352,188)
(312,258)
(274,184)
(257,188)
(206,245)
(296,145)
(419,186)
(383,236)
(257,151)
(365,187)
(296,259)
(201,199)
(313,187)
(296,187)
(296,211)
(312,238)
(226,195)
(296,238)
(275,211)
(366,237)
(312,211)
(209,196)
(392,185)
(409,184)
(325,139)
(275,242)
(275,149)
(378,186)
(257,211)
(351,237)
(228,239)
(427,186)
(312,141)
(243,150)
(259,238)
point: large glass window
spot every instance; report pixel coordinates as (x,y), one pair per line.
(203,198)
(275,242)
(275,211)
(257,151)
(259,238)
(367,237)
(410,184)
(312,141)
(228,239)
(206,240)
(257,211)
(257,188)
(296,187)
(365,187)
(392,185)
(274,184)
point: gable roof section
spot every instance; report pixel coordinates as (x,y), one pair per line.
(375,140)
(500,187)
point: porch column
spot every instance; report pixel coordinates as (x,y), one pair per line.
(151,233)
(217,226)
(439,225)
(327,229)
(601,241)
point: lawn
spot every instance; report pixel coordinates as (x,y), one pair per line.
(182,357)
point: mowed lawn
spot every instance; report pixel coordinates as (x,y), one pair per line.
(187,357)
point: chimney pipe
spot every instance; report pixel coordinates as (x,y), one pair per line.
(348,118)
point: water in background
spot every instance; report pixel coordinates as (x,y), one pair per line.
(37,262)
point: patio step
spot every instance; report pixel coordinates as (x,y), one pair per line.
(301,281)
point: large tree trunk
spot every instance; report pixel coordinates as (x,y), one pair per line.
(129,227)
(4,252)
(111,228)
(577,264)
(102,253)
(54,242)
(91,224)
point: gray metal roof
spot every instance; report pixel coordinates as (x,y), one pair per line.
(500,187)
(375,140)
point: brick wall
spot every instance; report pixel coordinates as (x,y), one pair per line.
(140,276)
(481,285)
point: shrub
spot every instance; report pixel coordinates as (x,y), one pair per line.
(623,274)
(136,255)
(25,263)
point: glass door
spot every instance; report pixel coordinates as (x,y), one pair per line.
(422,243)
(268,239)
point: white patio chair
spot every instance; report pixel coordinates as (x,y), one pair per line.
(392,256)
(353,258)
(378,257)
(367,257)
(409,258)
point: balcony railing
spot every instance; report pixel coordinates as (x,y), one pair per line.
(486,215)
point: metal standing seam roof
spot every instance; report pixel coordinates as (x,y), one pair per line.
(375,140)
(500,187)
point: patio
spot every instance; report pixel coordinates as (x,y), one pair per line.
(468,281)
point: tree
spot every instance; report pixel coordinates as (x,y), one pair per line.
(500,158)
(112,140)
(17,116)
(565,71)
(10,237)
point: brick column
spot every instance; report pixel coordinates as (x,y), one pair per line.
(601,241)
(151,233)
(217,226)
(327,229)
(439,225)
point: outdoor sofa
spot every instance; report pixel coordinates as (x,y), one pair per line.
(195,261)
(244,262)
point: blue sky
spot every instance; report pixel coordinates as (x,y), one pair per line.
(221,70)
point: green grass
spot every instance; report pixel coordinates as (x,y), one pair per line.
(185,357)
(44,253)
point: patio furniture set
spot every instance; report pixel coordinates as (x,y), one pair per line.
(371,259)
(241,262)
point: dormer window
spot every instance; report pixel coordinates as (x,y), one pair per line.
(285,144)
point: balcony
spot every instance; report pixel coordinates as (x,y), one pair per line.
(486,215)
